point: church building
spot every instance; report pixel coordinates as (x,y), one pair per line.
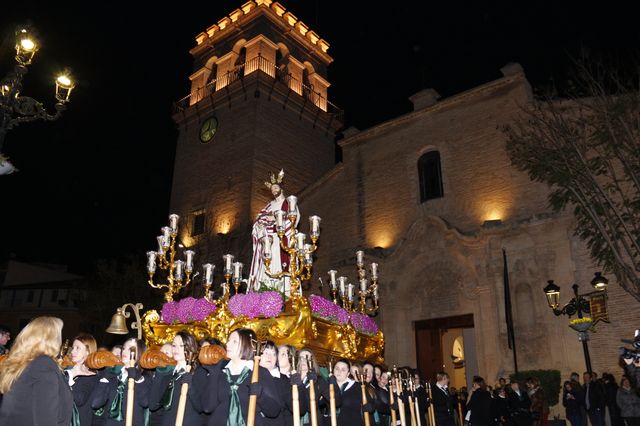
(431,196)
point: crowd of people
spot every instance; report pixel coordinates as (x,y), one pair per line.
(288,387)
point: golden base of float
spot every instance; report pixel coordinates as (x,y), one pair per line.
(294,326)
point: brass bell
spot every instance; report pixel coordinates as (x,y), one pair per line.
(118,323)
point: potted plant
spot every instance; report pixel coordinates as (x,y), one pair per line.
(581,324)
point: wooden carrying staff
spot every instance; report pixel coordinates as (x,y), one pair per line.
(184,389)
(253,399)
(332,399)
(416,406)
(363,388)
(413,401)
(130,388)
(412,409)
(398,383)
(393,412)
(295,396)
(460,415)
(432,416)
(313,404)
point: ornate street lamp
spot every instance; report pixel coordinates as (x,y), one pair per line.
(16,109)
(578,305)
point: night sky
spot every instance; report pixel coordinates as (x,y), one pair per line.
(96,183)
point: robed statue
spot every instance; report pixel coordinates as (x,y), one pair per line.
(265,225)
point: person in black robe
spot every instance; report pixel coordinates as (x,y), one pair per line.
(229,388)
(444,403)
(519,405)
(35,391)
(167,384)
(111,394)
(479,403)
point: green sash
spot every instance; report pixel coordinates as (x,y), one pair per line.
(75,417)
(115,412)
(235,412)
(167,396)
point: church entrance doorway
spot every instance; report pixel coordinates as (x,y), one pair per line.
(447,344)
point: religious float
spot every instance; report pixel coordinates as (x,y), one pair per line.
(274,305)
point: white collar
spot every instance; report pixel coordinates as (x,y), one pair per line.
(275,372)
(349,383)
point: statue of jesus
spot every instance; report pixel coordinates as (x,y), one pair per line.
(265,224)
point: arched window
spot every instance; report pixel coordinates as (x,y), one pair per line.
(430,175)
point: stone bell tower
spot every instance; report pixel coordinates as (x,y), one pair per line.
(258,103)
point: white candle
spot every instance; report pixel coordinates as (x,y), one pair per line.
(237,271)
(359,258)
(300,238)
(308,258)
(375,293)
(332,279)
(173,222)
(179,267)
(279,215)
(166,233)
(350,292)
(160,244)
(151,261)
(374,271)
(266,246)
(343,284)
(292,201)
(363,285)
(207,275)
(224,288)
(228,260)
(314,225)
(189,260)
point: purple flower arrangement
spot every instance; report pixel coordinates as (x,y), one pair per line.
(186,310)
(266,304)
(363,323)
(328,310)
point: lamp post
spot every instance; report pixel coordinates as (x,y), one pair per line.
(119,323)
(578,305)
(16,109)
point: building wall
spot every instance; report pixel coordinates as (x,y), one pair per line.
(437,260)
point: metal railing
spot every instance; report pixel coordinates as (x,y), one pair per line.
(258,63)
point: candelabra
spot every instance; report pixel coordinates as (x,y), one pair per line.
(232,272)
(300,252)
(339,286)
(178,271)
(16,109)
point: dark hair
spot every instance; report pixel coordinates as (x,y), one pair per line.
(344,361)
(480,382)
(314,363)
(270,345)
(246,338)
(4,329)
(211,341)
(141,347)
(189,343)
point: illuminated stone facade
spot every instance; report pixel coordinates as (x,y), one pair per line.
(437,258)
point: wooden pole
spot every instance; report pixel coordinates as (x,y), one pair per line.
(313,405)
(332,405)
(130,397)
(393,412)
(460,415)
(130,388)
(403,419)
(182,404)
(296,405)
(253,399)
(363,388)
(432,416)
